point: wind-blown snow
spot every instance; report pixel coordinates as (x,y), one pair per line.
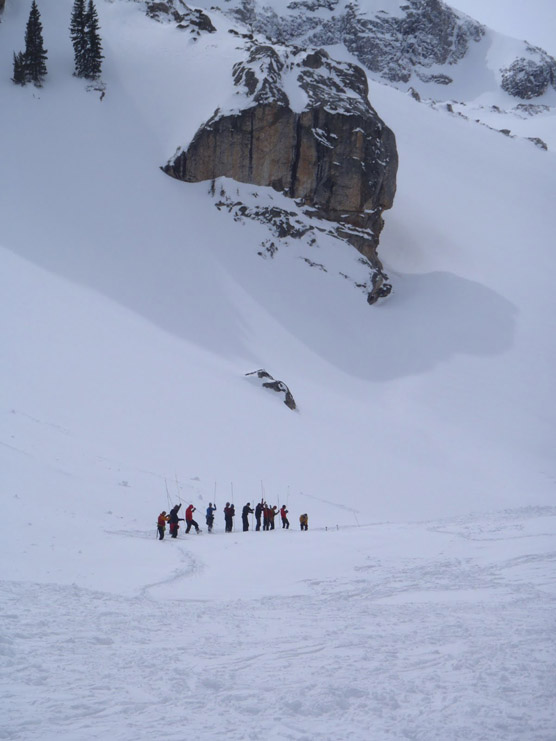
(420,603)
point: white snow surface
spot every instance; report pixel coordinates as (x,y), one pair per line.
(420,604)
(535,26)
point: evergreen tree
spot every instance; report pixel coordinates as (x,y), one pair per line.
(94,56)
(20,74)
(78,37)
(35,53)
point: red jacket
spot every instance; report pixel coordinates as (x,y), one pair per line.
(284,513)
(189,513)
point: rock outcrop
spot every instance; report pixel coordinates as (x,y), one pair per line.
(268,382)
(530,77)
(335,156)
(180,13)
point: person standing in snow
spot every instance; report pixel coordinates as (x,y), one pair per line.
(284,516)
(304,522)
(161,524)
(245,512)
(173,519)
(210,516)
(229,512)
(271,516)
(258,513)
(189,519)
(266,516)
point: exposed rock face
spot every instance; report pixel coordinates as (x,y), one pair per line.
(528,78)
(418,35)
(184,16)
(336,156)
(427,33)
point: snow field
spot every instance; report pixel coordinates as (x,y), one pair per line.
(399,631)
(132,308)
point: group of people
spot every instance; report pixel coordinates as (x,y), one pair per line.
(173,519)
(262,511)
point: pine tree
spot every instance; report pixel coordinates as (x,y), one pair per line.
(20,75)
(35,53)
(78,37)
(94,56)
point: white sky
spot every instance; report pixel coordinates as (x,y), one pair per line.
(534,21)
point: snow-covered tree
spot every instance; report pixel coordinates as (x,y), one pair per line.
(78,37)
(19,76)
(35,53)
(94,56)
(85,37)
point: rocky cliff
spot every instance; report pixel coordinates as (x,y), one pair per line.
(334,155)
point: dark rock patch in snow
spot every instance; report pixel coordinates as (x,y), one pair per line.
(530,77)
(299,223)
(538,142)
(268,382)
(185,17)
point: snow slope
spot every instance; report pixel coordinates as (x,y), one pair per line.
(536,26)
(132,308)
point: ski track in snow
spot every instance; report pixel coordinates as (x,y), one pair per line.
(433,647)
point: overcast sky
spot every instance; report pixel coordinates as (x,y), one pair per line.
(532,20)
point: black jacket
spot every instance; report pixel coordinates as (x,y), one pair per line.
(173,517)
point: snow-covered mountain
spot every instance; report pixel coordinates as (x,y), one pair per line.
(420,603)
(427,47)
